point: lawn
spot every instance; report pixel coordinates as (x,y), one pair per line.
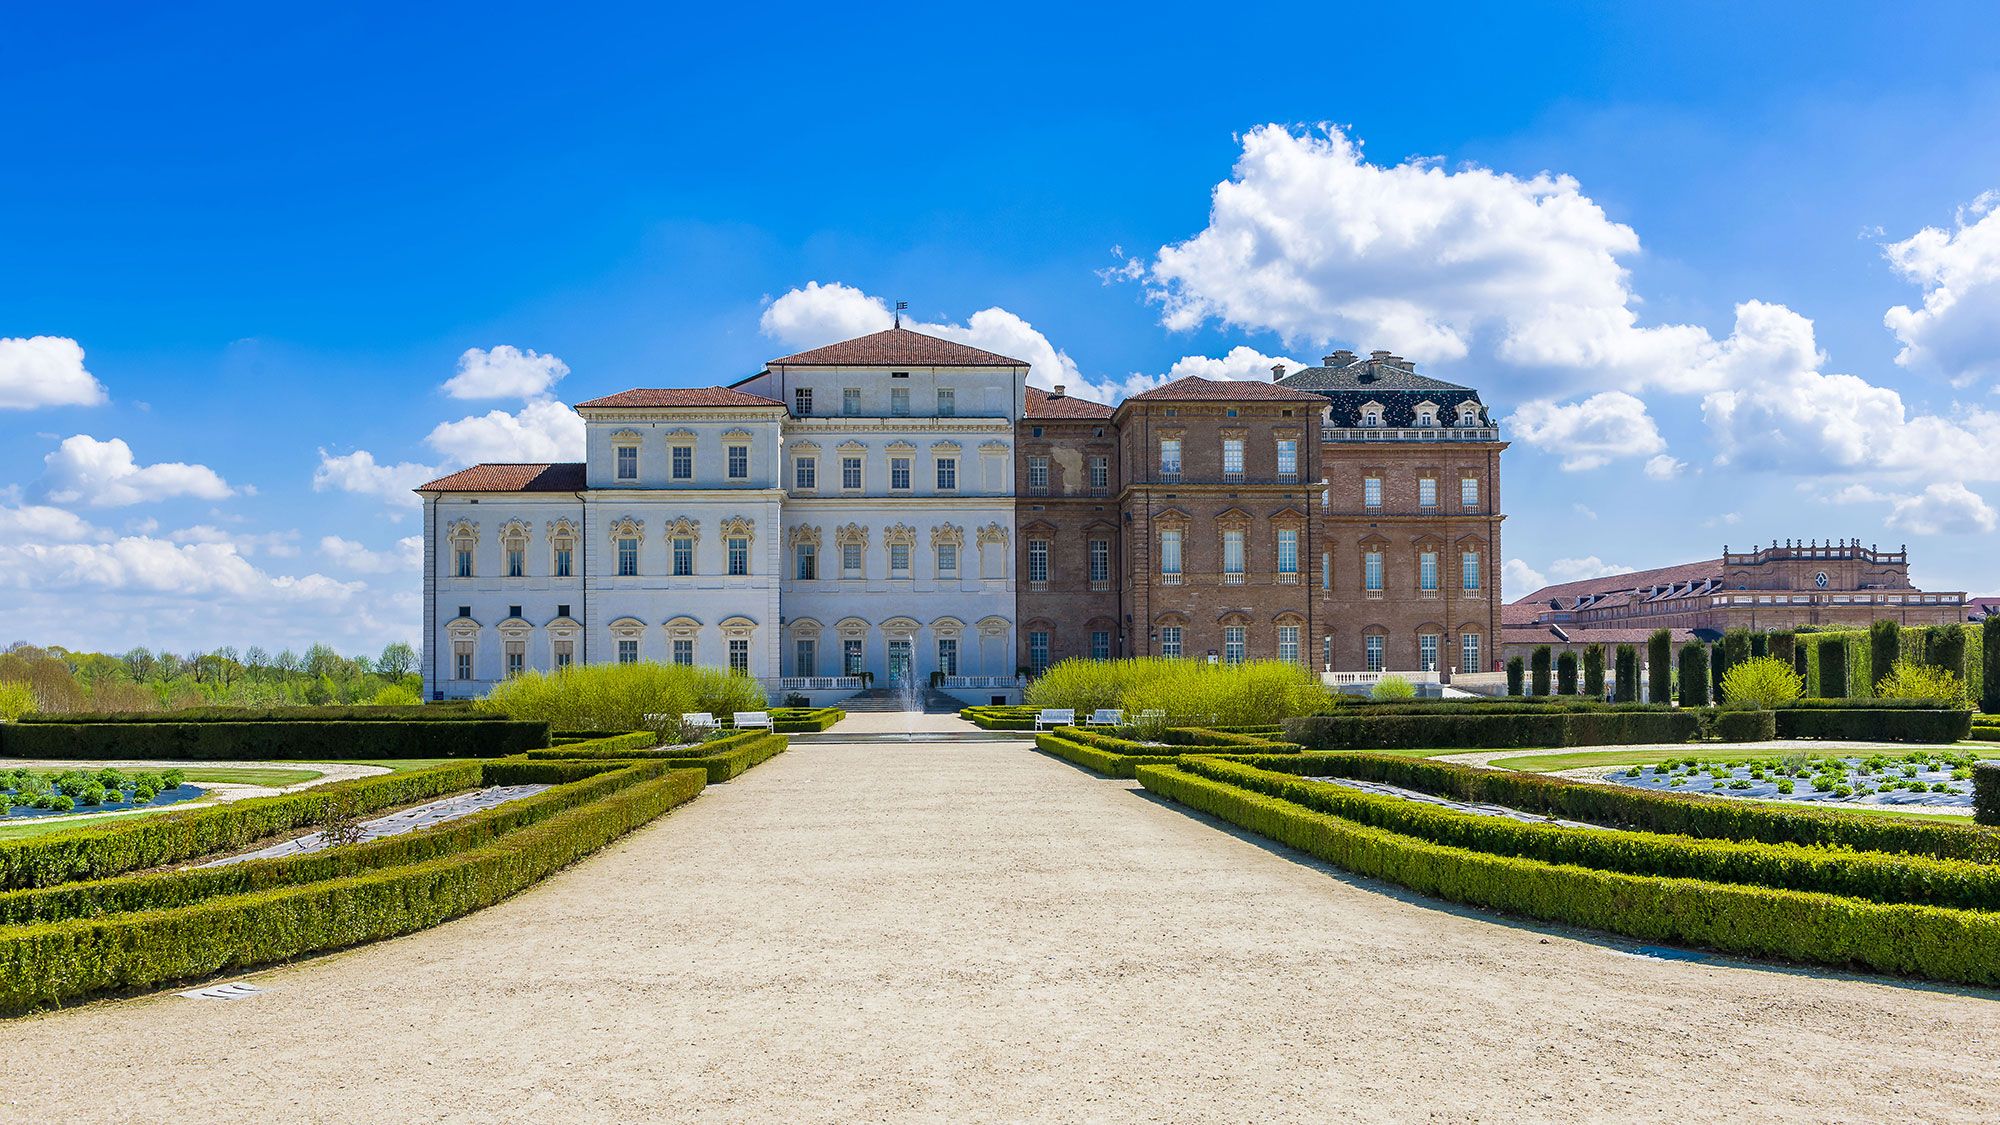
(396,765)
(251,775)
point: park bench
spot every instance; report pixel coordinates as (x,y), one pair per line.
(1052,717)
(747,720)
(1106,717)
(699,720)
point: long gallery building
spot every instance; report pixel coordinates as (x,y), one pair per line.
(899,505)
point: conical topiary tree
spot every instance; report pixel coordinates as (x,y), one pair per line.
(1660,666)
(1625,684)
(1538,666)
(1517,675)
(1885,647)
(1566,673)
(1593,671)
(1694,674)
(1833,667)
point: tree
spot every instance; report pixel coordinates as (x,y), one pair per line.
(287,661)
(1593,671)
(1760,645)
(1566,673)
(1833,667)
(1539,662)
(1944,649)
(1885,647)
(1694,674)
(1783,645)
(1660,666)
(1989,664)
(1516,676)
(256,657)
(1761,682)
(1625,684)
(397,660)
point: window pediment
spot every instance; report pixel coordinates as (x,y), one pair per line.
(805,534)
(627,628)
(628,527)
(994,626)
(900,533)
(993,533)
(947,533)
(626,437)
(851,446)
(683,528)
(901,448)
(851,533)
(738,626)
(737,436)
(739,527)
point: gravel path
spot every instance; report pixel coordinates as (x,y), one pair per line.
(982,933)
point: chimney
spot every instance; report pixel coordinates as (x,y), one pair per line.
(1382,357)
(1341,358)
(1057,391)
(1277,372)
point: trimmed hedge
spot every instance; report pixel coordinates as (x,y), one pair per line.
(1694,675)
(723,758)
(1660,666)
(1989,665)
(1010,717)
(52,963)
(1538,675)
(1986,792)
(139,842)
(1879,876)
(802,720)
(426,713)
(271,740)
(1943,944)
(1986,732)
(1746,726)
(1117,757)
(1493,726)
(1886,724)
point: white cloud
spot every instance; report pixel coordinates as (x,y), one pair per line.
(143,563)
(1726,519)
(277,544)
(104,474)
(1584,510)
(1590,566)
(1242,362)
(44,523)
(1664,467)
(1518,579)
(45,371)
(1942,508)
(358,472)
(824,314)
(1957,331)
(405,558)
(505,372)
(1589,433)
(539,431)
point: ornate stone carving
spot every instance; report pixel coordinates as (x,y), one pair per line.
(993,532)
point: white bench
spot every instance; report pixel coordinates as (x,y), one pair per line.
(749,720)
(1106,717)
(1150,718)
(1052,717)
(699,720)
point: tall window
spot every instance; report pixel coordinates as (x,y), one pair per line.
(1100,564)
(1288,554)
(461,660)
(1170,558)
(850,472)
(850,401)
(899,402)
(739,655)
(1170,458)
(1326,651)
(461,562)
(1371,492)
(805,658)
(1427,571)
(1233,646)
(683,462)
(1100,644)
(739,555)
(1038,562)
(808,562)
(1038,650)
(947,402)
(899,560)
(1288,643)
(805,472)
(802,401)
(739,462)
(947,649)
(1288,458)
(1371,572)
(1170,640)
(1469,570)
(565,653)
(683,557)
(899,473)
(850,560)
(1468,653)
(628,650)
(1100,472)
(1232,557)
(564,554)
(1038,474)
(1427,493)
(628,462)
(1427,652)
(852,663)
(628,557)
(947,474)
(1232,456)
(516,654)
(1468,492)
(684,651)
(1371,652)
(947,560)
(517,560)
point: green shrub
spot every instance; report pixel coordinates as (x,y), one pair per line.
(1593,671)
(1908,679)
(1762,682)
(1989,647)
(1660,666)
(1393,687)
(1746,726)
(1694,675)
(1566,673)
(1118,757)
(1188,692)
(1014,717)
(1477,726)
(306,739)
(1516,676)
(427,713)
(1884,724)
(620,696)
(1625,686)
(396,695)
(1885,647)
(723,758)
(1986,792)
(16,700)
(800,720)
(1832,668)
(1539,670)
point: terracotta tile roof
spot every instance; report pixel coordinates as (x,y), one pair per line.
(680,396)
(562,476)
(897,347)
(1196,388)
(1547,635)
(1569,592)
(1042,404)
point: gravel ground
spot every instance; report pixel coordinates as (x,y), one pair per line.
(982,933)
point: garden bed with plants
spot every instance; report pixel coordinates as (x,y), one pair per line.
(723,755)
(33,793)
(1184,693)
(1927,779)
(804,720)
(1804,884)
(1005,717)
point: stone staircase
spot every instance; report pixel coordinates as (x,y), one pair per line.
(881,699)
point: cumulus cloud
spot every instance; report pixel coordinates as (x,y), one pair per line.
(1518,579)
(44,523)
(359,472)
(1945,507)
(144,563)
(1664,467)
(1242,362)
(1957,330)
(1589,433)
(406,557)
(277,544)
(505,372)
(818,315)
(45,371)
(539,431)
(104,474)
(1590,566)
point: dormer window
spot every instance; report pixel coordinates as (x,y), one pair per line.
(1468,413)
(1426,413)
(1371,414)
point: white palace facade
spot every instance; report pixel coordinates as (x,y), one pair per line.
(845,514)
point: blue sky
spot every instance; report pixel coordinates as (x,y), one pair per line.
(254,245)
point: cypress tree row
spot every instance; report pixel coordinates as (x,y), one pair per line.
(1625,685)
(1539,681)
(1593,671)
(1989,651)
(1782,645)
(1944,647)
(1694,675)
(1566,673)
(1760,645)
(1833,668)
(1660,666)
(1517,674)
(1885,645)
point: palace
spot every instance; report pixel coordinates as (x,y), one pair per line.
(901,507)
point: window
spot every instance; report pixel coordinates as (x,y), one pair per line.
(805,659)
(808,562)
(947,474)
(739,655)
(1100,564)
(562,564)
(850,560)
(1232,456)
(517,561)
(1038,474)
(802,401)
(899,560)
(850,401)
(1468,565)
(683,462)
(1170,640)
(1232,557)
(1288,554)
(565,654)
(1427,571)
(1371,652)
(1100,472)
(851,661)
(462,562)
(628,557)
(1371,572)
(1426,418)
(850,472)
(517,658)
(1288,458)
(461,660)
(684,651)
(1468,653)
(1100,644)
(1038,562)
(899,473)
(1468,492)
(1288,643)
(805,473)
(947,560)
(739,555)
(1326,652)
(1233,643)
(683,557)
(1427,652)
(1038,651)
(739,462)
(947,402)
(628,462)
(947,664)
(1371,492)
(899,402)
(1170,458)
(1372,416)
(1427,493)
(1170,558)
(628,650)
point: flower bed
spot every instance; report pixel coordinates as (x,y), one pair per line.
(1930,779)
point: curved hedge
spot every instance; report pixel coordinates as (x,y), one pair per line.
(271,739)
(804,720)
(1494,726)
(1003,717)
(1118,757)
(1746,726)
(723,758)
(1943,944)
(1885,724)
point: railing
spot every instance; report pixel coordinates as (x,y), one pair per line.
(1411,433)
(1349,679)
(981,683)
(815,683)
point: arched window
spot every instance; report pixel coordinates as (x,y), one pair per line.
(562,549)
(514,548)
(464,549)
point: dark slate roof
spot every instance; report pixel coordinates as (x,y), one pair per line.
(1568,593)
(1042,404)
(679,396)
(561,476)
(1350,383)
(897,347)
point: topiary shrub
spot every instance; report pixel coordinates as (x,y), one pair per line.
(1762,683)
(1539,665)
(1393,687)
(1746,726)
(1908,679)
(1593,671)
(16,700)
(1944,649)
(1885,647)
(1625,683)
(1833,668)
(1783,645)
(1660,666)
(1986,792)
(1566,673)
(1694,675)
(1517,675)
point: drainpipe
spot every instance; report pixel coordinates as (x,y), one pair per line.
(583,571)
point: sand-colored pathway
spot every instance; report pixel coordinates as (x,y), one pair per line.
(980,933)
